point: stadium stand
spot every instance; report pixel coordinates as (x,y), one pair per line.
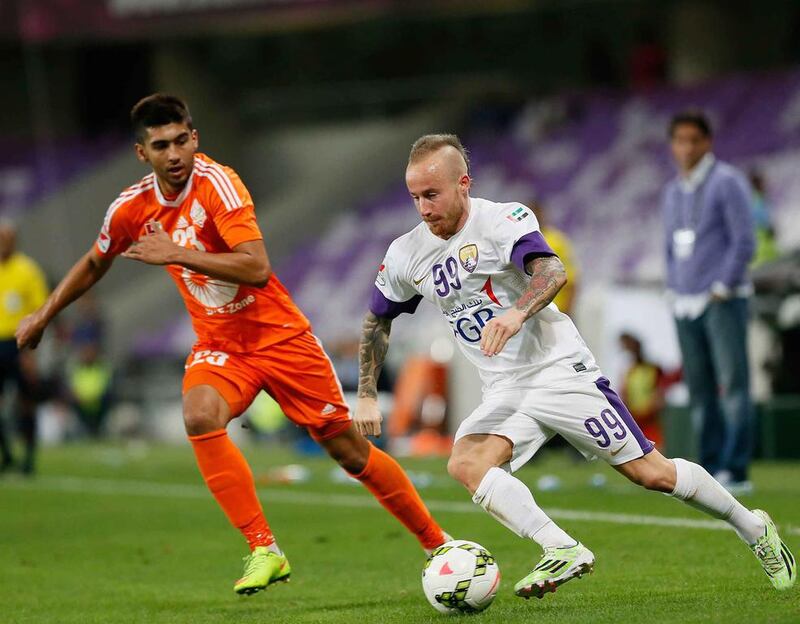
(598,160)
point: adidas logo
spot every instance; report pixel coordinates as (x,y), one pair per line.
(328,409)
(182,222)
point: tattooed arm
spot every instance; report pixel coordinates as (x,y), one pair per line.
(547,278)
(371,354)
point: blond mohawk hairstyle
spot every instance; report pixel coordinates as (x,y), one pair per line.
(430,143)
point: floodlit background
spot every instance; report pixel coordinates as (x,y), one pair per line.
(316,103)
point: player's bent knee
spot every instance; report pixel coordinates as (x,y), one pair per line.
(653,472)
(349,449)
(204,413)
(466,471)
(657,481)
(653,478)
(198,422)
(455,467)
(353,460)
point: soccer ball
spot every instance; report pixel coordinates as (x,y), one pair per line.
(460,576)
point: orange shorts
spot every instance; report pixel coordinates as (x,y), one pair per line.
(297,373)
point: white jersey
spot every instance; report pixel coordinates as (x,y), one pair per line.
(473,277)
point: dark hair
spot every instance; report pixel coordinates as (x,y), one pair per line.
(694,117)
(430,143)
(158,109)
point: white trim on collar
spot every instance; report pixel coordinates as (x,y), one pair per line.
(179,199)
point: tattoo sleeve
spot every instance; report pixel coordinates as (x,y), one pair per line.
(371,353)
(547,278)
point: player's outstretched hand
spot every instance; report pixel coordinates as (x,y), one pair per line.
(155,247)
(29,332)
(497,331)
(367,417)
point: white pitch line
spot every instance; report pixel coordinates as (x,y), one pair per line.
(275,495)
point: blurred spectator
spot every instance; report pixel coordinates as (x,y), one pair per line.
(562,246)
(344,356)
(419,414)
(88,327)
(642,389)
(89,384)
(766,248)
(777,286)
(647,64)
(22,290)
(709,243)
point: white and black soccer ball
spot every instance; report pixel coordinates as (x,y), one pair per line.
(460,576)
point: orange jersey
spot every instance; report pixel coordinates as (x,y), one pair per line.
(214,213)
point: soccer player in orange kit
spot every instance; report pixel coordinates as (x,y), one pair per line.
(195,217)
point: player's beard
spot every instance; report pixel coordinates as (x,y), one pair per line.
(442,227)
(447,226)
(177,178)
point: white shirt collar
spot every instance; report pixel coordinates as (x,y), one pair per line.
(179,199)
(698,174)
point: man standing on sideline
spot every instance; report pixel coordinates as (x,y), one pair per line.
(709,243)
(22,290)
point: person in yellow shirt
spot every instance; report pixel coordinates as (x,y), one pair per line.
(643,389)
(562,246)
(22,290)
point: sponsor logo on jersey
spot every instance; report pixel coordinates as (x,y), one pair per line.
(468,257)
(461,307)
(380,280)
(417,282)
(470,326)
(212,293)
(233,307)
(182,222)
(518,215)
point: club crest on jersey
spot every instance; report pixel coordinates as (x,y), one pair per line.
(468,257)
(380,280)
(198,214)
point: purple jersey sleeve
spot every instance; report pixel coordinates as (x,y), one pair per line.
(530,246)
(386,308)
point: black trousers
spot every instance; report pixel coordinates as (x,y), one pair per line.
(11,375)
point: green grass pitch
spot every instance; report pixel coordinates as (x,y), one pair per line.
(127,533)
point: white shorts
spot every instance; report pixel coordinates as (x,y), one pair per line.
(590,416)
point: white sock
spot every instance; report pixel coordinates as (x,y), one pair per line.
(511,503)
(696,487)
(273,547)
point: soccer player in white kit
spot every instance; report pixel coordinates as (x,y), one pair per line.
(493,276)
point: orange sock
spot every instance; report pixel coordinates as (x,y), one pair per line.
(387,481)
(228,476)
